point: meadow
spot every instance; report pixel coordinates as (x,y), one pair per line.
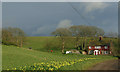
(37,58)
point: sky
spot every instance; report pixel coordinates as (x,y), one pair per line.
(60,0)
(42,18)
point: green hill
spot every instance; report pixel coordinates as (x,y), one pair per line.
(15,57)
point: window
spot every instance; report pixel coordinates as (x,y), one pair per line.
(95,47)
(90,47)
(106,47)
(98,47)
(106,52)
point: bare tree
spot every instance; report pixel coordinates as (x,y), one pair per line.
(7,37)
(79,32)
(62,33)
(15,36)
(83,31)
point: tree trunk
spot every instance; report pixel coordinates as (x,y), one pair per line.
(84,42)
(82,38)
(21,43)
(111,47)
(63,42)
(17,42)
(77,41)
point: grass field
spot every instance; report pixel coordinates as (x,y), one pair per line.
(14,57)
(48,43)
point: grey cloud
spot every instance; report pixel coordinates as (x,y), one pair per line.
(92,6)
(39,19)
(64,24)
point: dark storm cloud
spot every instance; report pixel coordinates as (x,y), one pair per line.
(40,19)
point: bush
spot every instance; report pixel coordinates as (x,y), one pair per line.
(13,36)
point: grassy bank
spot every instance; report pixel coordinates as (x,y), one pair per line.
(15,57)
(55,43)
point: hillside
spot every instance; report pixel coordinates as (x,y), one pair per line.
(15,57)
(55,43)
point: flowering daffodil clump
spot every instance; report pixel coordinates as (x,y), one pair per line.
(52,65)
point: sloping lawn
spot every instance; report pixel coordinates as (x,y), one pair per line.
(15,57)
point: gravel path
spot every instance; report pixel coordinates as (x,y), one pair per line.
(107,65)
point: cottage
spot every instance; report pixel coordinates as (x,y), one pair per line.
(99,49)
